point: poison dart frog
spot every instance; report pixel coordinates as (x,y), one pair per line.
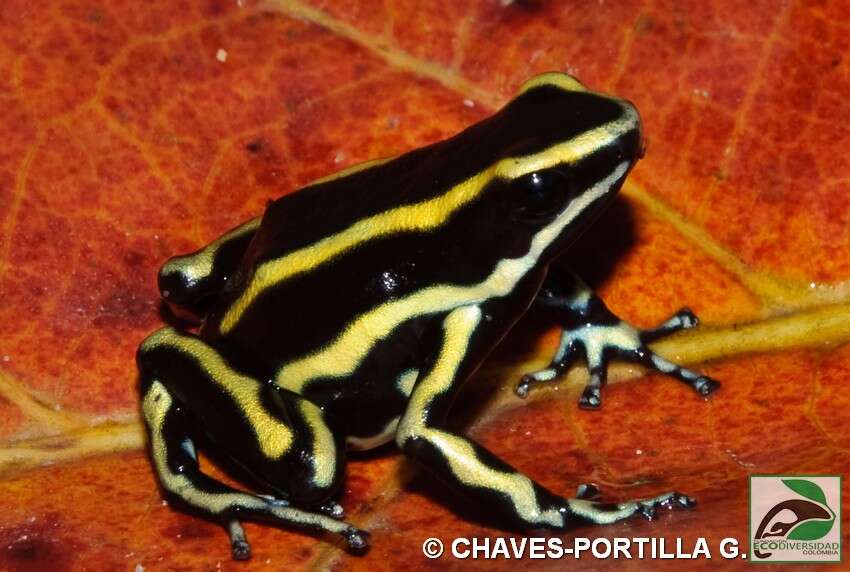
(351,311)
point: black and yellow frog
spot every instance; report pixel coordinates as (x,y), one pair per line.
(349,314)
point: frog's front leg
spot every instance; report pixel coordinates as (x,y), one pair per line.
(191,281)
(476,471)
(592,331)
(282,440)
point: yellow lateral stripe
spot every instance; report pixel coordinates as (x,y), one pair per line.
(341,357)
(421,216)
(200,265)
(273,437)
(459,326)
(324,447)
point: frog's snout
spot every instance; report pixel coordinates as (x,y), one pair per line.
(631,143)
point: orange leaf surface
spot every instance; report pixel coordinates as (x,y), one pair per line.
(135,131)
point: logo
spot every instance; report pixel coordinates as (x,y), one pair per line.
(795,518)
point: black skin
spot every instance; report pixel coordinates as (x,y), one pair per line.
(294,318)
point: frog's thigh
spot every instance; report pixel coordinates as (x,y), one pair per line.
(274,433)
(455,458)
(189,279)
(174,455)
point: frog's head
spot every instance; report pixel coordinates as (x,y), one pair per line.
(560,153)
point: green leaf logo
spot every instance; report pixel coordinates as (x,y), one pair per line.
(807,489)
(811,530)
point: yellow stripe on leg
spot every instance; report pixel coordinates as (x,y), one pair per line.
(273,436)
(459,452)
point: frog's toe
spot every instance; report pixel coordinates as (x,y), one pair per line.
(523,387)
(705,385)
(647,511)
(240,550)
(239,547)
(333,509)
(684,319)
(588,491)
(702,384)
(534,378)
(591,397)
(687,318)
(358,540)
(675,499)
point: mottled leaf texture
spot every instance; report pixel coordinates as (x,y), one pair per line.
(136,130)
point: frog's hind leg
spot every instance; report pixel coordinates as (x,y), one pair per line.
(176,370)
(190,282)
(589,327)
(477,472)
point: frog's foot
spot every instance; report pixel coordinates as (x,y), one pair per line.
(607,338)
(621,340)
(595,512)
(681,320)
(281,512)
(240,548)
(358,540)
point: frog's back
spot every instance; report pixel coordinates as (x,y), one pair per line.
(330,253)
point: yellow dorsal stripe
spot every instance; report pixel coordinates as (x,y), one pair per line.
(562,81)
(421,216)
(273,437)
(342,356)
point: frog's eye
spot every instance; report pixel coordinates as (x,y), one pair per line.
(543,194)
